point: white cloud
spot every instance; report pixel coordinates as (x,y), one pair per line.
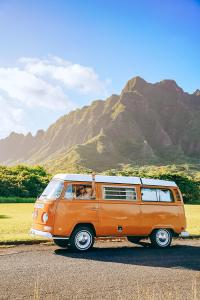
(11,117)
(43,84)
(72,76)
(31,90)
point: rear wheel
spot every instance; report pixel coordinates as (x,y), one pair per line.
(61,243)
(82,239)
(134,239)
(161,238)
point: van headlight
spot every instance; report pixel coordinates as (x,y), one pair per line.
(45,217)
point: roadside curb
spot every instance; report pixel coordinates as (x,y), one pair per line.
(23,242)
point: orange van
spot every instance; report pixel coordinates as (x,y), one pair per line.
(75,208)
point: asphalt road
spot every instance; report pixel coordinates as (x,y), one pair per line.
(112,270)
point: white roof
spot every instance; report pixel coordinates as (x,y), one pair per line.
(115,179)
(150,181)
(118,179)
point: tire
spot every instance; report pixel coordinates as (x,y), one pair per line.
(61,243)
(82,239)
(134,239)
(161,238)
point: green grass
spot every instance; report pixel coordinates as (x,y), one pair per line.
(16,221)
(16,200)
(193,218)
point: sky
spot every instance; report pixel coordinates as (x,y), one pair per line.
(56,56)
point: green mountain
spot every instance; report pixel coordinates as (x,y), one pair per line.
(146,124)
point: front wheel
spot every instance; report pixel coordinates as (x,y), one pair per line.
(82,239)
(161,238)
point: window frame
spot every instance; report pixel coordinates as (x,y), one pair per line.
(158,189)
(119,186)
(78,183)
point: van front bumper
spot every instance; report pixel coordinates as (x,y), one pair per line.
(41,233)
(47,235)
(184,234)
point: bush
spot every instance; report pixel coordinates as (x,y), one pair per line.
(22,181)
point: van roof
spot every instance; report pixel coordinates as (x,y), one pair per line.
(115,179)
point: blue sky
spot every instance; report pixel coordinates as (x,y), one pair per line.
(58,55)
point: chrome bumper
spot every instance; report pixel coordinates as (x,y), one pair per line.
(41,233)
(184,234)
(47,235)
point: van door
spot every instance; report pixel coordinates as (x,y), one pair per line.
(72,210)
(119,210)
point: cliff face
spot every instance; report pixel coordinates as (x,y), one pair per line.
(146,123)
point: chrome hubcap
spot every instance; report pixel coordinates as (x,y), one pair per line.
(83,240)
(162,237)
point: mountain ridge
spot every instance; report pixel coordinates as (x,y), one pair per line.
(146,123)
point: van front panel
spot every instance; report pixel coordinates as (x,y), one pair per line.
(70,212)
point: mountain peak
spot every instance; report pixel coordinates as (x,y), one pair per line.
(147,123)
(197,92)
(136,83)
(170,85)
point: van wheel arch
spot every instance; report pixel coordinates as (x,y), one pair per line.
(89,225)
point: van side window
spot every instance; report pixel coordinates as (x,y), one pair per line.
(119,193)
(149,194)
(165,195)
(80,191)
(157,195)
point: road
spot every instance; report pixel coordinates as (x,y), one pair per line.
(112,270)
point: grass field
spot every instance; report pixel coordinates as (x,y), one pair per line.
(16,220)
(16,200)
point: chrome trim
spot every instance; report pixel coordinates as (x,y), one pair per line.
(39,205)
(41,233)
(46,234)
(184,234)
(60,238)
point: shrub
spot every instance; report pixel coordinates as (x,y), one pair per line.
(22,181)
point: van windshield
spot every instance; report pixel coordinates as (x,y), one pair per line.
(53,190)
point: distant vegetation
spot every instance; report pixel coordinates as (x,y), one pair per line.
(186,176)
(23,184)
(17,200)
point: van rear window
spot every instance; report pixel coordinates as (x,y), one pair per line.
(157,195)
(119,193)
